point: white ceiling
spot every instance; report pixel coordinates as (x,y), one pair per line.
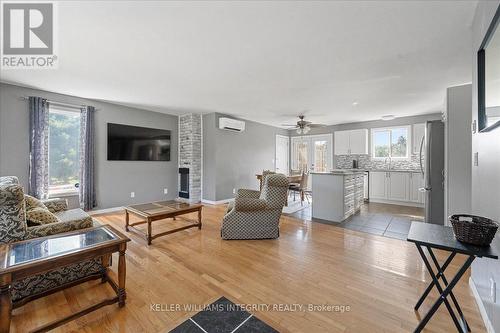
(263,61)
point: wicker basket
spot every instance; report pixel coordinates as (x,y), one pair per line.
(473,229)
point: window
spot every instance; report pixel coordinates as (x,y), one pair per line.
(391,142)
(312,152)
(64,151)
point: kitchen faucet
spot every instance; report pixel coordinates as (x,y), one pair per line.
(390,162)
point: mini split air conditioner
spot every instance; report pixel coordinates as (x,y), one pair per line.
(231,124)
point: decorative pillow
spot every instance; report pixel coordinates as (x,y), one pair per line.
(40,216)
(32,202)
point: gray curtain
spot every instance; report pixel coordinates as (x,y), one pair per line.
(87,175)
(39,147)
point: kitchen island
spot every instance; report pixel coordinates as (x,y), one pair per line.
(337,194)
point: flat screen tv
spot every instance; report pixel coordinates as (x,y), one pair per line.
(133,143)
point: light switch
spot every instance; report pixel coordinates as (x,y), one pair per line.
(476,159)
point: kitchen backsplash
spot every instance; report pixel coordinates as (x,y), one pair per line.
(366,162)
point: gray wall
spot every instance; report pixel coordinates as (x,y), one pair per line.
(370,124)
(485,176)
(231,159)
(458,145)
(209,155)
(115,179)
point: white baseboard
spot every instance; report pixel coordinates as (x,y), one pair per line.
(106,210)
(399,203)
(218,202)
(480,305)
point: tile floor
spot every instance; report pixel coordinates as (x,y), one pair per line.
(223,316)
(379,219)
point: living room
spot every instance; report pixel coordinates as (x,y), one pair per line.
(257,166)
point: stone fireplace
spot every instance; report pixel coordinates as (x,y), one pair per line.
(190,157)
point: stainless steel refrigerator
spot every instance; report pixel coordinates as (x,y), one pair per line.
(432,168)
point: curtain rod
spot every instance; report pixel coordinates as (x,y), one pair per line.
(79,106)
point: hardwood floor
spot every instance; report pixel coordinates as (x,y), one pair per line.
(379,278)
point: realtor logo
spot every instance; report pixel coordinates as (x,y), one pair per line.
(28,35)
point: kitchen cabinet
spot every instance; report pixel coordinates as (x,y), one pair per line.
(398,183)
(378,185)
(341,143)
(418,134)
(351,142)
(338,195)
(416,182)
(398,187)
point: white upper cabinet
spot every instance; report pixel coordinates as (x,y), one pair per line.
(341,143)
(358,141)
(418,134)
(351,142)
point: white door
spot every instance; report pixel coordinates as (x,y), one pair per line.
(378,185)
(358,141)
(341,143)
(398,186)
(312,153)
(321,147)
(282,149)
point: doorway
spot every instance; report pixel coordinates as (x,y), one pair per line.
(282,154)
(312,153)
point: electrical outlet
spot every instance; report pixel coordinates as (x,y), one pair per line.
(165,191)
(493,290)
(132,194)
(234,191)
(476,159)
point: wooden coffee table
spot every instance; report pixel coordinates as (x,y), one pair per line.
(26,258)
(161,210)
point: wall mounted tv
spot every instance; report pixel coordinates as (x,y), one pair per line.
(133,143)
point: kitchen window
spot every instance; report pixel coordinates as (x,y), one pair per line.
(64,151)
(391,142)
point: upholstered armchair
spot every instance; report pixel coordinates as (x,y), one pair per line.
(14,227)
(254,214)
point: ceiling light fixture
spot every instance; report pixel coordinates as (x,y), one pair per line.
(303,130)
(355,103)
(388,117)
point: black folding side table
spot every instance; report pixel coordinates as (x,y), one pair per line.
(432,236)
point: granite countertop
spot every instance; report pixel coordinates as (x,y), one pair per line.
(384,170)
(340,172)
(353,171)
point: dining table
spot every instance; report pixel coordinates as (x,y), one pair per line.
(291,179)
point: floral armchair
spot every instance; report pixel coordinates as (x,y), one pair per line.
(13,227)
(254,214)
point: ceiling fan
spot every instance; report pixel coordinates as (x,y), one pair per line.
(303,126)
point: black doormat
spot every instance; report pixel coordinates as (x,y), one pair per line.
(223,316)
